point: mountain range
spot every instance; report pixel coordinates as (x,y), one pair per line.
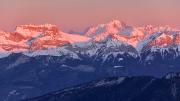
(37,59)
(32,38)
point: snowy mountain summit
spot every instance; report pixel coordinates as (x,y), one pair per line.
(32,38)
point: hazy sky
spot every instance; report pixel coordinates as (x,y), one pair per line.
(79,14)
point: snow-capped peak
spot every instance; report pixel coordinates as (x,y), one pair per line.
(34,30)
(36,37)
(113,26)
(117,23)
(118,30)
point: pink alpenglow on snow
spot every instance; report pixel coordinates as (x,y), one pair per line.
(42,37)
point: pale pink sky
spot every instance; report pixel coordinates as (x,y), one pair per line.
(79,14)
